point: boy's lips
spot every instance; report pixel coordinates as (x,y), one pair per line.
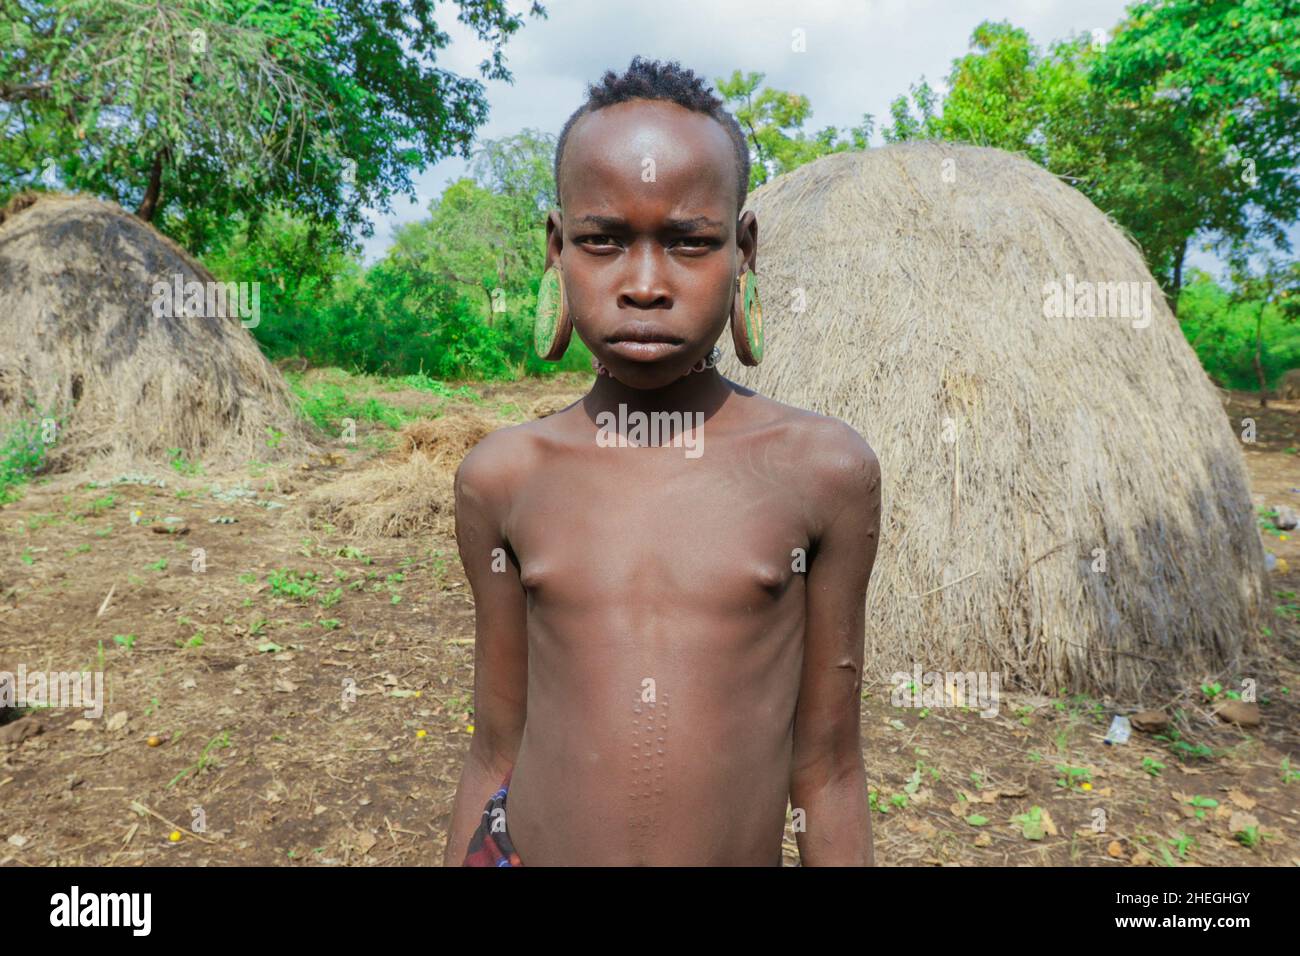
(643,332)
(643,341)
(643,351)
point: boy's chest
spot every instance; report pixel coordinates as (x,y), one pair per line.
(645,525)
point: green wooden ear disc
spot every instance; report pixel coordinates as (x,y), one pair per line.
(552,326)
(747,320)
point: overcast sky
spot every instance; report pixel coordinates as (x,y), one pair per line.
(861,54)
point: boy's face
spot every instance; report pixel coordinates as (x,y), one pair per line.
(649,243)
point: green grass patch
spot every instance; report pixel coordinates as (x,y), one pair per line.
(326,404)
(23,452)
(292,584)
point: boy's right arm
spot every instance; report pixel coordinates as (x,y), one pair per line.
(501,637)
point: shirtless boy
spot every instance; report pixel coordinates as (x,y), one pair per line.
(668,648)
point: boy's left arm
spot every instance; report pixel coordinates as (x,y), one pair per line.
(827,777)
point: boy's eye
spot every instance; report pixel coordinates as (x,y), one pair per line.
(690,242)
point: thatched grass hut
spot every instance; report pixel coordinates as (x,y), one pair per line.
(1064,500)
(89,342)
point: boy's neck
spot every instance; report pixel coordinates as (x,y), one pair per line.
(698,392)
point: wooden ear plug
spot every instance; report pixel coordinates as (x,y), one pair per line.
(747,320)
(552,326)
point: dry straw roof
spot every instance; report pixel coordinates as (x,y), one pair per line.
(82,342)
(1013,445)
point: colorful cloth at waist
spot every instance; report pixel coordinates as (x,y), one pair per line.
(490,845)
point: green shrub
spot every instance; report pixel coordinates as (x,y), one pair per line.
(22,456)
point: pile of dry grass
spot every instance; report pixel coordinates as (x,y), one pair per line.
(83,344)
(446,440)
(549,404)
(412,492)
(1013,445)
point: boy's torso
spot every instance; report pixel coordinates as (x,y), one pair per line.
(665,625)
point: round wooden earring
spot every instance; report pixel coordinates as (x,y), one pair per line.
(747,320)
(552,326)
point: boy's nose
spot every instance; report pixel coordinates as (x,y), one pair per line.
(643,284)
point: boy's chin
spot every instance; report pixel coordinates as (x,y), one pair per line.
(647,376)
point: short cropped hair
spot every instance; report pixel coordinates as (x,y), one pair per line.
(653,80)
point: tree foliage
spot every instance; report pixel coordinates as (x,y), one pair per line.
(207,110)
(773,120)
(1183,125)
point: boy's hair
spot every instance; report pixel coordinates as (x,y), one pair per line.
(653,80)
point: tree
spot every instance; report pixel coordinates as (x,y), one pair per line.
(488,233)
(296,263)
(773,122)
(465,242)
(905,126)
(519,171)
(1143,124)
(204,110)
(1222,80)
(1234,336)
(1276,287)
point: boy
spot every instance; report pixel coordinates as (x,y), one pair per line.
(669,647)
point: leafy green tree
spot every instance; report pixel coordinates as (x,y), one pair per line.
(520,168)
(195,111)
(1220,82)
(773,122)
(995,93)
(905,126)
(296,262)
(1142,123)
(1238,331)
(1005,93)
(519,171)
(429,306)
(1273,287)
(458,244)
(486,235)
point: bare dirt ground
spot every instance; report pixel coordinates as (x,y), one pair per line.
(306,698)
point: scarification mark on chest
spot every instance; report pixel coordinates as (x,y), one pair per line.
(649,756)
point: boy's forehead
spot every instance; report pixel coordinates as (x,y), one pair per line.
(610,150)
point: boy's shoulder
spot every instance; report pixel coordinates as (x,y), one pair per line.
(503,455)
(831,462)
(822,443)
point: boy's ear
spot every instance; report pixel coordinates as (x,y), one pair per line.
(554,237)
(747,239)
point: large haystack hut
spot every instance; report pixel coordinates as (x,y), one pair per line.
(1064,501)
(86,345)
